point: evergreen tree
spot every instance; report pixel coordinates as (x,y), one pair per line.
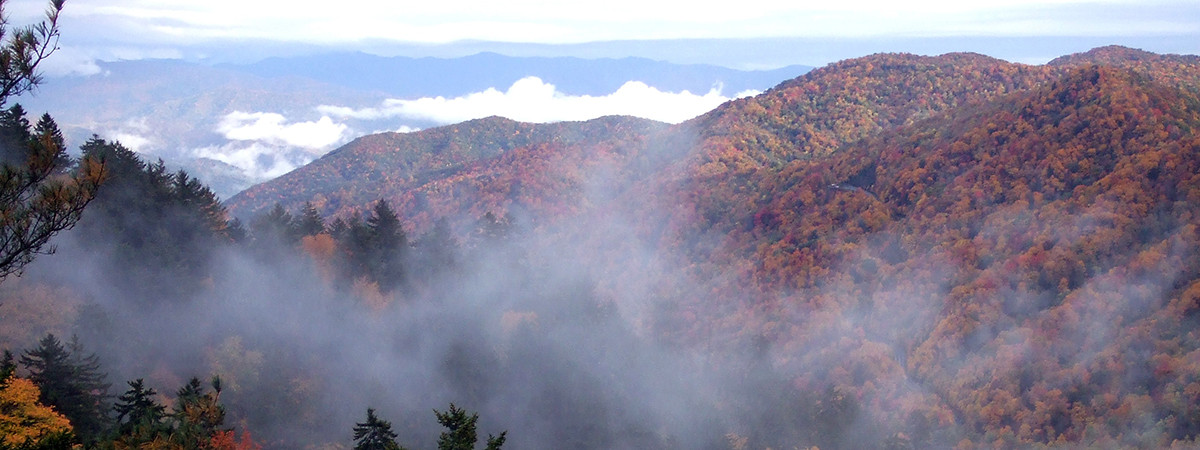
(310,222)
(36,203)
(160,228)
(71,383)
(277,226)
(139,417)
(437,251)
(8,368)
(195,422)
(339,229)
(196,198)
(236,231)
(460,431)
(374,434)
(387,248)
(48,136)
(15,135)
(198,414)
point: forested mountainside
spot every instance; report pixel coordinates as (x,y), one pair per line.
(441,170)
(895,251)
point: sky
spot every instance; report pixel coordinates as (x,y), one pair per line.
(131,29)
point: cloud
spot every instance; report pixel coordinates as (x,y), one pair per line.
(68,61)
(532,100)
(265,145)
(258,160)
(133,141)
(135,134)
(273,128)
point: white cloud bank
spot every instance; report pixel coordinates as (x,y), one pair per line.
(532,100)
(266,145)
(273,128)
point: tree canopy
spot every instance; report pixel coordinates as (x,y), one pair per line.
(36,200)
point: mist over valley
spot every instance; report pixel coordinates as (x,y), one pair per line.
(889,251)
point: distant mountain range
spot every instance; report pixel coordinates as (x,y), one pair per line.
(181,111)
(1004,253)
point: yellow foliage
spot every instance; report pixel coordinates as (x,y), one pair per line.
(22,418)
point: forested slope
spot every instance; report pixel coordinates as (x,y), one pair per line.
(893,251)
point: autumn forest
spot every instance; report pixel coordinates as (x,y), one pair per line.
(894,251)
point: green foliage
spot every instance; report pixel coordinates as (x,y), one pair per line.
(139,416)
(195,422)
(152,221)
(275,227)
(310,222)
(460,431)
(24,49)
(37,199)
(8,367)
(376,248)
(71,382)
(374,434)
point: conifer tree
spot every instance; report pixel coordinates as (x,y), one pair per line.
(139,417)
(276,226)
(8,367)
(460,431)
(310,222)
(388,246)
(374,434)
(71,383)
(198,414)
(47,130)
(15,135)
(37,201)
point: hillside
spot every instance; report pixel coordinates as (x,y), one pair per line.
(480,166)
(1003,253)
(266,118)
(996,268)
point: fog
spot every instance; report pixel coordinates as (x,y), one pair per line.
(558,344)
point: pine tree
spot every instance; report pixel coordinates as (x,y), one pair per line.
(198,414)
(460,431)
(15,135)
(437,250)
(310,222)
(139,417)
(388,246)
(37,203)
(274,227)
(374,434)
(71,383)
(48,136)
(8,368)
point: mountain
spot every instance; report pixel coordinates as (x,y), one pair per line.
(264,117)
(483,165)
(981,252)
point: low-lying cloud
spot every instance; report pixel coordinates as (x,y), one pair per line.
(258,161)
(274,128)
(266,145)
(532,100)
